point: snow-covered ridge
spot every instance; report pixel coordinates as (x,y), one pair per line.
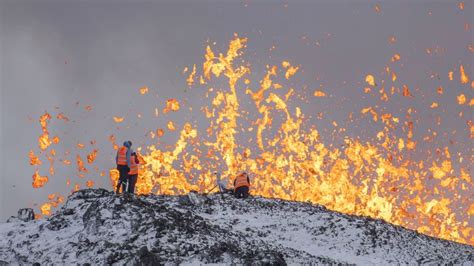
(98,227)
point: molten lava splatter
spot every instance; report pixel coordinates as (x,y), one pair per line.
(38,180)
(358,178)
(92,156)
(118,119)
(46,209)
(370,80)
(463,76)
(34,160)
(319,94)
(171,105)
(291,70)
(190,79)
(89,183)
(44,140)
(143,90)
(461,99)
(80,164)
(289,158)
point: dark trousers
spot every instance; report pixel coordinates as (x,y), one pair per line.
(132,180)
(122,182)
(242,192)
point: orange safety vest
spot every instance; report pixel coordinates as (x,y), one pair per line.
(241,181)
(133,166)
(122,156)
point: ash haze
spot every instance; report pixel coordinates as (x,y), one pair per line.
(61,56)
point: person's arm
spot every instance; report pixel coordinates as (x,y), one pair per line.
(129,153)
(248,180)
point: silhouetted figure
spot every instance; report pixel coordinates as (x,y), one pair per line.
(133,173)
(123,165)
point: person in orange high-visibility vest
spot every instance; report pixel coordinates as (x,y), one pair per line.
(133,173)
(242,185)
(123,165)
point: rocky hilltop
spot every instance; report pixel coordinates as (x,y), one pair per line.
(96,226)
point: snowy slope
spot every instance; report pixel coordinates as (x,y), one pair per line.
(98,227)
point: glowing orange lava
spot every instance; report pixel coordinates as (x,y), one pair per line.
(289,158)
(370,179)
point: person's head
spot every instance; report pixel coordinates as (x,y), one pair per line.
(134,154)
(127,144)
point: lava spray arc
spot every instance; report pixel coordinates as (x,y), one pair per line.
(289,157)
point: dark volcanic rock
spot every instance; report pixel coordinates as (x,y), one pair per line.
(96,227)
(24,215)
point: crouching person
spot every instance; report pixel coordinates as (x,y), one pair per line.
(242,186)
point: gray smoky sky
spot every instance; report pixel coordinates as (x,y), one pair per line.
(61,56)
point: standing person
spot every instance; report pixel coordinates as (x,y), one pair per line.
(242,186)
(123,165)
(133,173)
